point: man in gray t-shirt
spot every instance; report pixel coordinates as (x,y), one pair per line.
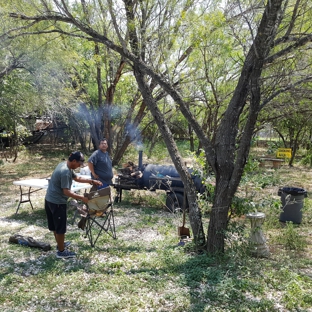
(59,190)
(61,178)
(100,164)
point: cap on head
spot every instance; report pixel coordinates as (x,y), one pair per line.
(78,156)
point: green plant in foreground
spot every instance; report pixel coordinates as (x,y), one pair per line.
(291,239)
(307,159)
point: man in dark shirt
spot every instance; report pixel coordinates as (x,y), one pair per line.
(100,165)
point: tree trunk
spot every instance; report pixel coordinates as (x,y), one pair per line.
(108,105)
(230,162)
(127,140)
(190,131)
(194,211)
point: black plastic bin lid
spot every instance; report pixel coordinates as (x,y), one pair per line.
(293,190)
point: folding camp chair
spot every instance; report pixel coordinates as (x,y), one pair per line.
(100,215)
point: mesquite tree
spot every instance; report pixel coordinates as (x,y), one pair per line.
(153,36)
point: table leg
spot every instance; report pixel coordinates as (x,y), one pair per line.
(21,201)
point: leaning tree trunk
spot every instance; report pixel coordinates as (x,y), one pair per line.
(194,215)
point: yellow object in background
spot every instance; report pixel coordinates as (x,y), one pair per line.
(283,153)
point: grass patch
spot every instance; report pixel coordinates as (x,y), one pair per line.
(145,269)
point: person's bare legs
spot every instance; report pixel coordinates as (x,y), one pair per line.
(60,238)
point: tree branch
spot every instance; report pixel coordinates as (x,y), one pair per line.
(282,90)
(298,43)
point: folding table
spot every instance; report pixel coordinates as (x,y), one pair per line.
(39,184)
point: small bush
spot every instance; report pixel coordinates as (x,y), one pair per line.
(307,160)
(291,239)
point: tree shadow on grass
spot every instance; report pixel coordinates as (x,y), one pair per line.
(215,284)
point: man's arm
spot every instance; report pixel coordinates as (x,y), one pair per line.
(84,180)
(91,167)
(74,195)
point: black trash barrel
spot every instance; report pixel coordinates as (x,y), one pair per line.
(292,203)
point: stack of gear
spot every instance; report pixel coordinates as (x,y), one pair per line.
(28,241)
(129,173)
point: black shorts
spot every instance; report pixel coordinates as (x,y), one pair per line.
(57,217)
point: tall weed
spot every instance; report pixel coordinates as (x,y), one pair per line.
(291,238)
